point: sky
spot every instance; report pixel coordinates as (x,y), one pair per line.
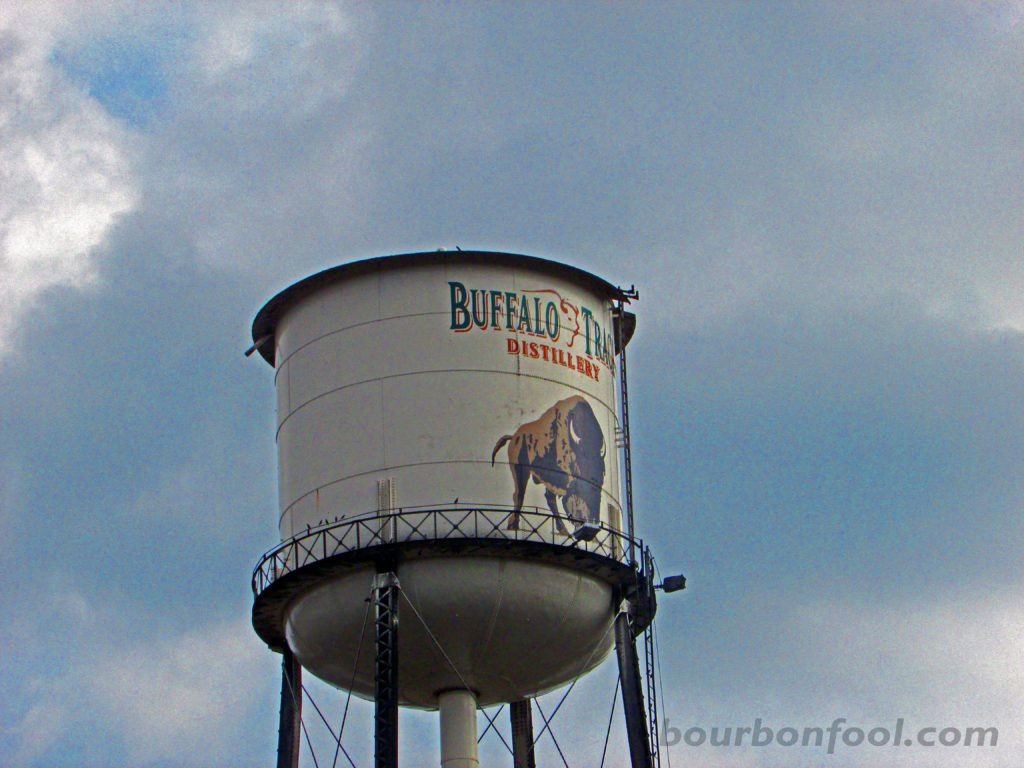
(820,204)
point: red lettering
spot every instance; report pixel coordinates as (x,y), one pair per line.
(536,351)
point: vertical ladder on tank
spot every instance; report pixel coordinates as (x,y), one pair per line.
(652,692)
(627,463)
(639,730)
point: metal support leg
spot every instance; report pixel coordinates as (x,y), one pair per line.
(632,694)
(521,713)
(385,681)
(289,729)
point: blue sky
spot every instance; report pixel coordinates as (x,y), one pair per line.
(820,204)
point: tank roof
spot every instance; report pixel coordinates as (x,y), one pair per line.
(267,318)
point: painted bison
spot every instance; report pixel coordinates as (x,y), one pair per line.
(564,451)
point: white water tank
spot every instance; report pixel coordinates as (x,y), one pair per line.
(453,414)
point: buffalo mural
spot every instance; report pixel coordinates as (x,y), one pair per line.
(564,451)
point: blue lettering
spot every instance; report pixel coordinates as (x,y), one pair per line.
(460,313)
(552,321)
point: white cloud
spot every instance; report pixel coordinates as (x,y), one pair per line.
(191,689)
(39,729)
(963,646)
(930,177)
(183,698)
(49,692)
(238,40)
(900,178)
(260,158)
(65,167)
(954,661)
(231,164)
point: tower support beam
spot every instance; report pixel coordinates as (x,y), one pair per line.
(385,680)
(289,728)
(632,694)
(521,713)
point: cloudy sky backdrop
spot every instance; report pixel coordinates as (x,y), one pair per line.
(821,204)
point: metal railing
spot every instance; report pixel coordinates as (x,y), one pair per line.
(428,525)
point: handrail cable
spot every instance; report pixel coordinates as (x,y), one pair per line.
(326,725)
(351,682)
(297,702)
(611,714)
(551,733)
(302,724)
(490,724)
(573,683)
(451,664)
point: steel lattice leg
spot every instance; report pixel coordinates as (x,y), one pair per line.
(385,681)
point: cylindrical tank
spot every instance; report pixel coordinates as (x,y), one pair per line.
(452,413)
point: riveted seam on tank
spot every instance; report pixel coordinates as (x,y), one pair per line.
(389,468)
(487,372)
(500,593)
(336,331)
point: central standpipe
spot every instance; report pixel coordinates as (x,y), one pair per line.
(457,709)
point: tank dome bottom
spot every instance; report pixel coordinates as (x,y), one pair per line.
(505,627)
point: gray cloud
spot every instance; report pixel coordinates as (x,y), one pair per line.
(820,206)
(836,487)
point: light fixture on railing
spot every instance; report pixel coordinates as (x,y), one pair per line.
(672,584)
(586,532)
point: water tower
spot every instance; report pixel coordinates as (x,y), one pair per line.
(449,433)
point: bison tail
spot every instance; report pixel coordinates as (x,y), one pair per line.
(497,447)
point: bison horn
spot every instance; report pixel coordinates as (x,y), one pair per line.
(603,446)
(572,433)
